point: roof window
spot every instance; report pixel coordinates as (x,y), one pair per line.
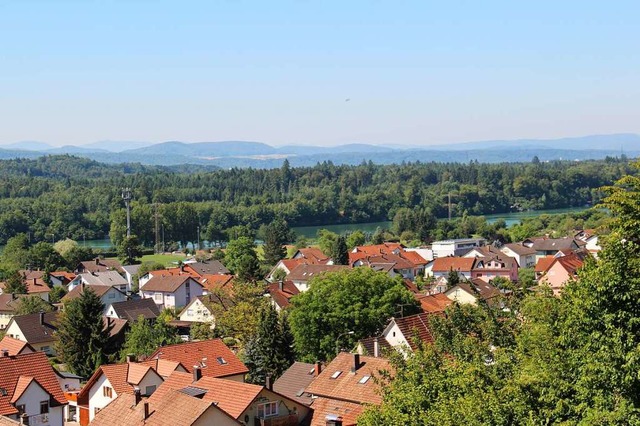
(221,360)
(364,380)
(336,374)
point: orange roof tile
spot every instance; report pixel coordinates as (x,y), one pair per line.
(347,386)
(544,263)
(313,256)
(213,282)
(384,248)
(21,386)
(282,297)
(323,407)
(193,353)
(231,396)
(163,367)
(15,346)
(433,303)
(414,257)
(415,327)
(445,264)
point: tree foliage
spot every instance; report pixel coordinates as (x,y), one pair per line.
(144,337)
(241,258)
(82,335)
(32,305)
(359,300)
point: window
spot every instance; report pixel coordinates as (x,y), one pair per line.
(44,407)
(190,312)
(149,390)
(112,295)
(336,374)
(268,409)
(221,360)
(364,380)
(157,297)
(21,409)
(107,392)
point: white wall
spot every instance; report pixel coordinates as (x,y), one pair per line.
(31,398)
(149,379)
(197,312)
(96,397)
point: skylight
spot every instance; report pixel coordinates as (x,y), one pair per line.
(336,374)
(221,360)
(364,380)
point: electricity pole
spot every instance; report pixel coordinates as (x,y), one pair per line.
(126,196)
(157,218)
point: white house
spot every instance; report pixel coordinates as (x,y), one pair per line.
(30,390)
(456,247)
(130,310)
(107,294)
(106,278)
(109,381)
(525,256)
(174,291)
(199,309)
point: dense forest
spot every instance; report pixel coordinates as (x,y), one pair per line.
(57,197)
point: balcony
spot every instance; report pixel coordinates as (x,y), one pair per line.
(37,420)
(287,420)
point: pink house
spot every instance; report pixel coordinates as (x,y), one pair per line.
(560,271)
(490,267)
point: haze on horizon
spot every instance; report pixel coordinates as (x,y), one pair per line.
(322,73)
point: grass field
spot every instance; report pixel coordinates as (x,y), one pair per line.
(165,259)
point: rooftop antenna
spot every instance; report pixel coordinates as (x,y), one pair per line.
(126,196)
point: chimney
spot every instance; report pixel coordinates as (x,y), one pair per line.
(333,420)
(82,287)
(268,383)
(5,353)
(145,411)
(130,357)
(376,348)
(197,373)
(41,318)
(356,363)
(281,285)
(181,267)
(318,368)
(137,395)
(97,259)
(35,281)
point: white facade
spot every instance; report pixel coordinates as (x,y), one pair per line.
(35,400)
(456,247)
(14,331)
(425,253)
(396,339)
(197,311)
(181,297)
(5,317)
(524,261)
(459,295)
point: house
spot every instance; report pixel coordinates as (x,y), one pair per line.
(130,310)
(490,267)
(545,246)
(441,266)
(286,266)
(213,283)
(107,294)
(592,246)
(164,367)
(130,271)
(30,390)
(525,256)
(560,271)
(281,293)
(247,404)
(172,291)
(437,285)
(109,381)
(375,249)
(8,305)
(543,265)
(61,278)
(213,357)
(345,386)
(407,333)
(392,258)
(200,309)
(375,346)
(433,303)
(296,379)
(304,256)
(473,291)
(36,329)
(175,408)
(302,274)
(456,247)
(15,347)
(34,283)
(106,278)
(98,265)
(179,271)
(208,267)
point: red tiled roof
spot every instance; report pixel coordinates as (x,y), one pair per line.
(18,370)
(173,271)
(293,382)
(323,407)
(15,346)
(414,257)
(213,282)
(396,261)
(312,255)
(384,248)
(445,264)
(346,385)
(306,272)
(433,303)
(123,377)
(282,297)
(544,263)
(415,327)
(192,353)
(570,263)
(163,367)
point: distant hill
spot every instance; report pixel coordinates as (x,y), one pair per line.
(227,154)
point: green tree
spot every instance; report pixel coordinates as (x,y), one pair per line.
(355,239)
(326,241)
(32,305)
(275,236)
(201,331)
(453,278)
(82,335)
(15,252)
(241,258)
(268,352)
(42,255)
(359,300)
(339,252)
(14,283)
(144,337)
(56,294)
(129,251)
(77,254)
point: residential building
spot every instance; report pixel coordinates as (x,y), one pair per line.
(34,283)
(36,329)
(545,246)
(302,274)
(303,256)
(207,267)
(107,294)
(473,291)
(406,334)
(493,266)
(433,303)
(178,271)
(442,266)
(15,347)
(105,278)
(130,310)
(526,256)
(213,357)
(8,305)
(455,247)
(30,390)
(215,283)
(98,265)
(560,271)
(130,271)
(200,309)
(281,292)
(109,381)
(344,386)
(172,291)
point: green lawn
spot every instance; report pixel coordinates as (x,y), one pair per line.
(165,259)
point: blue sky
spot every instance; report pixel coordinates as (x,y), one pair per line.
(416,72)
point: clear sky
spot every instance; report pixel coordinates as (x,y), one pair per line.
(280,72)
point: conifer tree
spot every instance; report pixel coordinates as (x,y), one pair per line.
(340,252)
(15,283)
(82,335)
